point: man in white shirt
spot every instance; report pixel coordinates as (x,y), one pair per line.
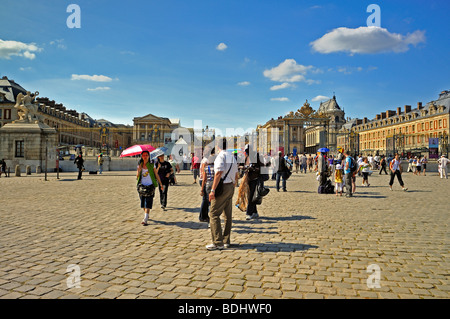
(443,162)
(225,166)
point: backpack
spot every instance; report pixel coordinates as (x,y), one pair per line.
(353,167)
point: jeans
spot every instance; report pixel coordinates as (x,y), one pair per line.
(163,194)
(283,176)
(348,184)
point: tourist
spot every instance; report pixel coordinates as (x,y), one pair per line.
(424,162)
(252,167)
(296,163)
(338,179)
(322,169)
(195,167)
(310,163)
(383,165)
(443,170)
(281,172)
(365,171)
(100,163)
(303,163)
(396,170)
(164,170)
(206,182)
(350,169)
(175,168)
(79,161)
(359,161)
(418,165)
(3,167)
(224,164)
(273,167)
(148,177)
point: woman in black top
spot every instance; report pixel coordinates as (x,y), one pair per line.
(164,170)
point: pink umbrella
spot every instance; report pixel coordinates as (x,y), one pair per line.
(136,150)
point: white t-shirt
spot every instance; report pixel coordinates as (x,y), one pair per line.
(395,164)
(222,164)
(145,177)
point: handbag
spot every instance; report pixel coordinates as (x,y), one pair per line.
(146,190)
(219,189)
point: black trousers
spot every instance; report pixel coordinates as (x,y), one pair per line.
(80,172)
(204,208)
(399,177)
(163,194)
(383,168)
(251,207)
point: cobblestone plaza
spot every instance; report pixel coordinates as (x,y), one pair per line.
(378,244)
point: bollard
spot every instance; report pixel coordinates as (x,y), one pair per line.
(28,169)
(38,169)
(18,170)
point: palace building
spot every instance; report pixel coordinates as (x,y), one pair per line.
(405,130)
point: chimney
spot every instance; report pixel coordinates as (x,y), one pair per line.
(378,116)
(399,110)
(365,120)
(390,113)
(407,108)
(419,105)
(383,115)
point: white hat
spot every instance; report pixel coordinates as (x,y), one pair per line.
(338,166)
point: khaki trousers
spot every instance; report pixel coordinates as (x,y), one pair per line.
(222,204)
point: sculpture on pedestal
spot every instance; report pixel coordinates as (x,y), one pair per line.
(27,110)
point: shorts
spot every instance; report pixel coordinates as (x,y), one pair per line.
(424,166)
(146,202)
(418,168)
(365,175)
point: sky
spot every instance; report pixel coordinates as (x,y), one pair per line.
(226,63)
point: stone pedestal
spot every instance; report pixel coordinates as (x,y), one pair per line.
(28,144)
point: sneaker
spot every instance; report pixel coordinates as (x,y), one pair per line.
(248,217)
(227,245)
(390,188)
(405,189)
(214,247)
(144,222)
(254,216)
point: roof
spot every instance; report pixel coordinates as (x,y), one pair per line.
(10,89)
(329,106)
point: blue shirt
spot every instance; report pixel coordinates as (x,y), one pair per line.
(348,160)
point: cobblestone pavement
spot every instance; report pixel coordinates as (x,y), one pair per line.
(304,245)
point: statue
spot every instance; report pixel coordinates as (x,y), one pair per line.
(27,110)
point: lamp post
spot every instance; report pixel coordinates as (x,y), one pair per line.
(443,140)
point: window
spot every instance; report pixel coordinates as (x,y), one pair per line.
(7,114)
(19,149)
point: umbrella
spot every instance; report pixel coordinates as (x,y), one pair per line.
(159,151)
(136,150)
(323,150)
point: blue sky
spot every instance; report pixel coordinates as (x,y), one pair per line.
(228,63)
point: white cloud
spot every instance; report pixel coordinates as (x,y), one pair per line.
(29,68)
(59,44)
(95,78)
(320,98)
(282,86)
(103,88)
(221,46)
(288,71)
(366,40)
(16,48)
(280,99)
(244,83)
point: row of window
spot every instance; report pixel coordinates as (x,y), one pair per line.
(5,114)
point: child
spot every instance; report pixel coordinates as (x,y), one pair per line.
(338,179)
(365,170)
